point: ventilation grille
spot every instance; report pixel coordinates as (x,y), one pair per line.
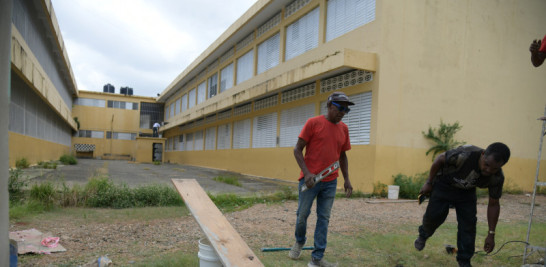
(345,80)
(224,114)
(241,110)
(294,7)
(266,102)
(274,21)
(298,93)
(211,118)
(246,41)
(227,55)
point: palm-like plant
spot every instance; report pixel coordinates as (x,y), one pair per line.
(443,138)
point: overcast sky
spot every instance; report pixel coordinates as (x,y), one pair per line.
(142,44)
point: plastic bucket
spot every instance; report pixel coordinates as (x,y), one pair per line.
(12,253)
(207,255)
(393,191)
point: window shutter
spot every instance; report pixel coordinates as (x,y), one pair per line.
(189,141)
(226,78)
(198,140)
(245,67)
(268,53)
(201,92)
(191,98)
(210,139)
(265,131)
(346,15)
(224,136)
(241,134)
(302,35)
(292,121)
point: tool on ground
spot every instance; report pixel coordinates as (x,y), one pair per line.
(281,249)
(324,173)
(421,198)
(450,249)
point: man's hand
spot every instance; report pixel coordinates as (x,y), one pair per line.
(348,188)
(426,189)
(535,45)
(309,180)
(489,244)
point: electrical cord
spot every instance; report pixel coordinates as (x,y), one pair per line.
(514,241)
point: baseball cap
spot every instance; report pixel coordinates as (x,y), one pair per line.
(339,97)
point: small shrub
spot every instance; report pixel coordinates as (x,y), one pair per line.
(443,137)
(157,162)
(410,185)
(22,163)
(156,195)
(16,184)
(47,165)
(44,193)
(68,160)
(228,180)
(379,189)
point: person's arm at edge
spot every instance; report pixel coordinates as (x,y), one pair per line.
(436,166)
(298,154)
(493,212)
(344,165)
(537,57)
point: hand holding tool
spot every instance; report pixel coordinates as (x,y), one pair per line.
(324,173)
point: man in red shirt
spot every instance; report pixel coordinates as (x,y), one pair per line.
(325,139)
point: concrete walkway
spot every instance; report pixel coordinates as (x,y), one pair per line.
(137,174)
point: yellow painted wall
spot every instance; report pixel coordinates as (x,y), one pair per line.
(144,149)
(23,146)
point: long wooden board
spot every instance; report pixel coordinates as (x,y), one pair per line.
(228,244)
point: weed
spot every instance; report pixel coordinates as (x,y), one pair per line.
(228,180)
(410,185)
(379,189)
(48,165)
(157,162)
(44,193)
(68,159)
(443,137)
(22,163)
(16,184)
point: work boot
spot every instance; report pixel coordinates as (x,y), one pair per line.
(464,263)
(295,251)
(420,243)
(320,263)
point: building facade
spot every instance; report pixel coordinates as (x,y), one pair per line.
(407,65)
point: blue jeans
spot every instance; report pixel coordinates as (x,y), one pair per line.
(325,193)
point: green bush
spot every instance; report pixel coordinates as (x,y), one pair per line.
(68,160)
(22,163)
(443,137)
(410,185)
(156,195)
(47,165)
(379,189)
(44,193)
(157,162)
(16,184)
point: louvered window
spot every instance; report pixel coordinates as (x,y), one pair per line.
(358,120)
(241,134)
(189,141)
(172,106)
(213,85)
(201,92)
(292,121)
(264,132)
(302,35)
(346,15)
(180,140)
(198,143)
(268,53)
(184,102)
(224,136)
(226,78)
(177,107)
(245,67)
(191,98)
(210,139)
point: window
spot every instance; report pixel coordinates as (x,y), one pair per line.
(90,102)
(122,105)
(245,67)
(226,78)
(201,92)
(90,134)
(292,121)
(191,98)
(241,134)
(184,102)
(180,141)
(346,15)
(358,120)
(171,106)
(268,53)
(189,141)
(302,35)
(177,107)
(210,138)
(166,112)
(198,137)
(150,113)
(213,84)
(121,136)
(224,136)
(265,131)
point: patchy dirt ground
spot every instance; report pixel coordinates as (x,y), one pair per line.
(131,241)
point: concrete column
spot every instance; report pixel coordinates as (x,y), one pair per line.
(5,65)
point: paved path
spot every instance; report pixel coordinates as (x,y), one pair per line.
(137,174)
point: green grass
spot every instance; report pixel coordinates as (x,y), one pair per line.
(228,180)
(68,160)
(22,163)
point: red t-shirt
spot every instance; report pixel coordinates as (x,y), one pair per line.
(325,142)
(543,45)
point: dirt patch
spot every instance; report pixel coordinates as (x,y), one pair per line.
(262,225)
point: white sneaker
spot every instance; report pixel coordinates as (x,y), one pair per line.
(295,251)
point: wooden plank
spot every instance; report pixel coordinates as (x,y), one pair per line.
(228,244)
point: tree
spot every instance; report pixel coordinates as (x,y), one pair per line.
(443,138)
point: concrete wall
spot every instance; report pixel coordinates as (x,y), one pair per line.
(5,48)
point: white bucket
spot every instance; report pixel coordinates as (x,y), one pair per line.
(207,255)
(393,191)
